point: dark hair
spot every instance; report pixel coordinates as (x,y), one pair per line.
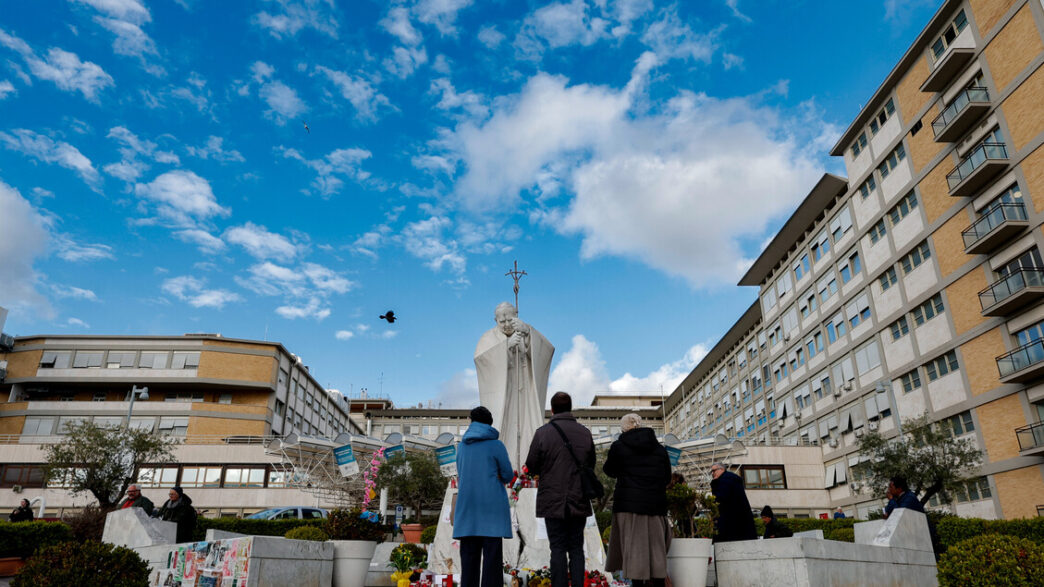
(481,414)
(900,483)
(561,402)
(766,512)
(177,489)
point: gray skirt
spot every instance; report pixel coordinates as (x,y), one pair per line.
(638,546)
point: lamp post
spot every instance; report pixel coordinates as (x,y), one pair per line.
(139,393)
(885,387)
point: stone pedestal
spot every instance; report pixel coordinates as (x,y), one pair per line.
(132,528)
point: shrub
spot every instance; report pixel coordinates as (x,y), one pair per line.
(605,536)
(840,534)
(307,533)
(83,564)
(408,556)
(953,530)
(428,535)
(992,559)
(88,524)
(604,519)
(250,527)
(21,539)
(349,525)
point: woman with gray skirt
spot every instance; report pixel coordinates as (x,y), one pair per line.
(640,533)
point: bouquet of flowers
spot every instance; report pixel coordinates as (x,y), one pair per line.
(521,481)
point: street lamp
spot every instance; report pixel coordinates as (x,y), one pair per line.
(139,393)
(885,387)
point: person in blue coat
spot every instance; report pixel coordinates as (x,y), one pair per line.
(483,517)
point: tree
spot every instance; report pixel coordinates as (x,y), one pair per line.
(102,460)
(928,455)
(609,483)
(414,480)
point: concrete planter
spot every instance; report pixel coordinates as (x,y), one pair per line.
(687,561)
(351,562)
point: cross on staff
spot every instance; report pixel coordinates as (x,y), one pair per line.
(516,275)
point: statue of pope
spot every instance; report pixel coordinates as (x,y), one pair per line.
(513,361)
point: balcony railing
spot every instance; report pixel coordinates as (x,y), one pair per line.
(1031,438)
(1022,285)
(997,224)
(978,166)
(961,113)
(1023,363)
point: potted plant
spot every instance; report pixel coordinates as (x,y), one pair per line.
(411,532)
(407,559)
(692,548)
(355,535)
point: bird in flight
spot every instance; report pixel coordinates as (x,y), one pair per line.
(389,316)
(308,130)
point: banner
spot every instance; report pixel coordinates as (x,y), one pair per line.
(393,452)
(447,457)
(674,454)
(346,462)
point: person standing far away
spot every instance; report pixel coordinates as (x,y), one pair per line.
(773,529)
(735,521)
(560,500)
(483,516)
(839,514)
(640,534)
(135,499)
(22,513)
(178,509)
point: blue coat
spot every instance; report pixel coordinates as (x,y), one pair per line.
(483,468)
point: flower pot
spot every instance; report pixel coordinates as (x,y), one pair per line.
(351,562)
(412,532)
(687,561)
(10,566)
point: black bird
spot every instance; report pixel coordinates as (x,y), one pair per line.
(390,317)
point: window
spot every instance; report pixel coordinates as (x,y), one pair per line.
(158,476)
(99,396)
(868,187)
(65,421)
(900,328)
(827,287)
(173,426)
(888,278)
(185,360)
(928,310)
(958,425)
(118,360)
(201,476)
(859,310)
(783,285)
(226,398)
(841,224)
(973,490)
(56,360)
(763,477)
(153,360)
(837,327)
(187,397)
(850,267)
(949,34)
(108,421)
(1028,260)
(892,161)
(867,357)
(245,477)
(24,475)
(821,246)
(859,145)
(808,304)
(39,426)
(801,267)
(815,344)
(941,366)
(279,478)
(903,208)
(911,380)
(768,298)
(916,128)
(88,360)
(146,423)
(878,231)
(914,258)
(882,117)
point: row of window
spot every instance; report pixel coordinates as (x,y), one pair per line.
(119,359)
(878,121)
(58,425)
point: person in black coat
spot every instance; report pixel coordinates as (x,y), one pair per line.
(773,528)
(178,509)
(735,521)
(23,513)
(640,534)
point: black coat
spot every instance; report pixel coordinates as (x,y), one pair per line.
(735,520)
(774,529)
(21,514)
(642,470)
(183,514)
(559,494)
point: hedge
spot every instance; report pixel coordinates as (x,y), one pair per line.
(993,560)
(83,564)
(250,527)
(952,529)
(21,539)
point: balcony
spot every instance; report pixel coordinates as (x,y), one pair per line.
(1012,292)
(946,68)
(996,226)
(1031,439)
(1022,364)
(978,167)
(961,114)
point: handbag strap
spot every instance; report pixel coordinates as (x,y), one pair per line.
(569,446)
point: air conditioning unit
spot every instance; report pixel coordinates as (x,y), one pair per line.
(786,337)
(17,489)
(873,425)
(837,392)
(847,386)
(859,432)
(797,416)
(833,443)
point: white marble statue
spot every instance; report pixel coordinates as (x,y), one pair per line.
(513,361)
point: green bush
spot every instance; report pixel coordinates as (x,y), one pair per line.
(307,533)
(953,530)
(604,519)
(348,525)
(428,535)
(606,533)
(408,556)
(840,534)
(21,539)
(992,559)
(83,564)
(250,527)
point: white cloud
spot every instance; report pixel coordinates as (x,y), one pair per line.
(440,13)
(206,242)
(68,249)
(362,94)
(181,198)
(461,391)
(132,150)
(559,24)
(305,290)
(389,334)
(325,279)
(411,55)
(449,99)
(734,6)
(282,100)
(74,293)
(127,10)
(397,24)
(270,279)
(62,68)
(130,41)
(405,60)
(6,89)
(669,37)
(260,243)
(426,240)
(895,10)
(25,240)
(490,36)
(731,61)
(193,290)
(700,174)
(625,12)
(48,150)
(214,150)
(315,308)
(344,335)
(77,322)
(289,17)
(331,168)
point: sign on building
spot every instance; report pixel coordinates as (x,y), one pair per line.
(447,457)
(674,454)
(393,452)
(346,462)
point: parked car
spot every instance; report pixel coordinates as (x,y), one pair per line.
(290,513)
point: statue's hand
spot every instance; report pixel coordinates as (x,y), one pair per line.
(520,327)
(517,341)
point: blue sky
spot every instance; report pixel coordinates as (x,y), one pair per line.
(157,175)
